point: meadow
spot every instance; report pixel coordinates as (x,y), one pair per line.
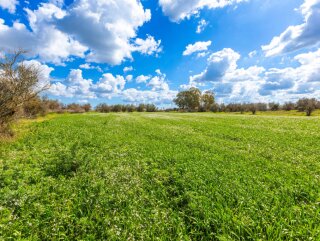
(162,176)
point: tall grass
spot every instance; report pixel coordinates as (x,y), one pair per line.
(162,176)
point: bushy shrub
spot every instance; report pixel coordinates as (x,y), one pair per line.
(34,107)
(75,108)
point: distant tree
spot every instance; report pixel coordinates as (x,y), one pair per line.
(242,108)
(130,108)
(189,99)
(103,108)
(222,107)
(75,108)
(253,108)
(214,107)
(86,107)
(52,105)
(207,100)
(141,108)
(151,108)
(19,82)
(274,106)
(287,106)
(116,108)
(307,105)
(261,106)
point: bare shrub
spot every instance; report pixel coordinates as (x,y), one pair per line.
(19,83)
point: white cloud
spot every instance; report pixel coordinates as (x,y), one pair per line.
(44,72)
(74,86)
(196,47)
(256,83)
(9,4)
(202,54)
(99,31)
(303,79)
(148,46)
(147,96)
(219,64)
(44,39)
(252,54)
(129,77)
(202,24)
(142,79)
(298,36)
(158,82)
(106,27)
(127,69)
(50,43)
(178,10)
(109,84)
(89,66)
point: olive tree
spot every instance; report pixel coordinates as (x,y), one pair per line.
(307,105)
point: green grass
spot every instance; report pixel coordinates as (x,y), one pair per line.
(162,176)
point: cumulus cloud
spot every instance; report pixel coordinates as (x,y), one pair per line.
(146,96)
(158,82)
(106,28)
(178,10)
(158,93)
(109,84)
(219,64)
(127,69)
(148,46)
(99,31)
(10,5)
(301,79)
(256,83)
(44,73)
(44,39)
(129,77)
(202,24)
(89,66)
(196,47)
(300,36)
(74,86)
(142,79)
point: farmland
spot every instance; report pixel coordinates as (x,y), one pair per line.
(162,176)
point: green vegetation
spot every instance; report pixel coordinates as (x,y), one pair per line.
(165,176)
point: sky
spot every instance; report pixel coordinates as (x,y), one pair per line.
(145,51)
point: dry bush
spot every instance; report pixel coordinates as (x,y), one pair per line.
(19,83)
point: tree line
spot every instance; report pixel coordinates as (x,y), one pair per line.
(193,100)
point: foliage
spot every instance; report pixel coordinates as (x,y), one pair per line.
(191,100)
(207,100)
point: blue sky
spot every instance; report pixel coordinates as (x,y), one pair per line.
(131,51)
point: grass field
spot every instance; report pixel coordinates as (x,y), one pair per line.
(162,176)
